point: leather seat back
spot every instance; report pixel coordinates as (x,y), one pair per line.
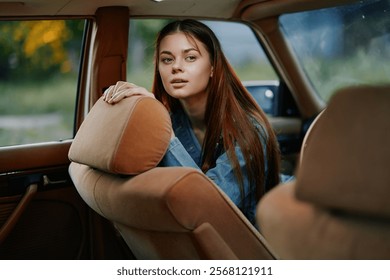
(161,212)
(338,206)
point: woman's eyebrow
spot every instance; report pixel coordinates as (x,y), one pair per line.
(184,51)
(166,52)
(190,49)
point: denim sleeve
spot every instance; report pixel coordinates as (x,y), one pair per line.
(222,174)
(177,155)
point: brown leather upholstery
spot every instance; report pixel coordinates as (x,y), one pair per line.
(162,212)
(126,138)
(109,49)
(338,207)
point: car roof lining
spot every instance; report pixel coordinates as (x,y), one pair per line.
(268,9)
(232,9)
(186,8)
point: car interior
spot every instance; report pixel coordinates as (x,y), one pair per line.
(79,181)
(338,217)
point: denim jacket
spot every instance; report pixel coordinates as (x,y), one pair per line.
(185,150)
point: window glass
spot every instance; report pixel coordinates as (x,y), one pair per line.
(239,44)
(39,63)
(243,51)
(342,46)
(143,33)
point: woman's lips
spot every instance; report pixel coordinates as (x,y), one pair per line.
(178,82)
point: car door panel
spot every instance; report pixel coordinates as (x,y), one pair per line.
(41,214)
(288,132)
(289,135)
(24,157)
(52,227)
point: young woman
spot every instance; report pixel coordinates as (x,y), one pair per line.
(217,126)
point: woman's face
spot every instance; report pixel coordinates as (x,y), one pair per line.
(184,66)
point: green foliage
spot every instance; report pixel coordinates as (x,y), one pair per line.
(30,97)
(36,49)
(39,63)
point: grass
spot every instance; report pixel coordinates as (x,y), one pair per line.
(56,97)
(31,97)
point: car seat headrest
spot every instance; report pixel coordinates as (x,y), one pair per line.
(126,138)
(345,160)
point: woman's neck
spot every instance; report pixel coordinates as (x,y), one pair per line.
(195,110)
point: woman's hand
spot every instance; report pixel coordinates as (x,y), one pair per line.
(121,90)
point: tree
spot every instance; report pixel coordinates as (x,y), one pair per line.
(34,49)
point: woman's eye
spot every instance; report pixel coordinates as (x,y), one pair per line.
(166,60)
(191,58)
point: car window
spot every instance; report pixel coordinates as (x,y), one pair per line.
(239,44)
(342,46)
(39,63)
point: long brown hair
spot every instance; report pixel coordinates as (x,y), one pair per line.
(229,113)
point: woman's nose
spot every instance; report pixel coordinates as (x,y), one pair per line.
(177,66)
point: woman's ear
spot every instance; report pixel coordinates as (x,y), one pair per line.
(212,72)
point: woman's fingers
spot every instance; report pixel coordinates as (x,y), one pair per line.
(121,90)
(120,85)
(107,93)
(127,92)
(119,95)
(111,90)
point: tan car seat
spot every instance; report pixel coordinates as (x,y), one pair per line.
(161,212)
(338,206)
